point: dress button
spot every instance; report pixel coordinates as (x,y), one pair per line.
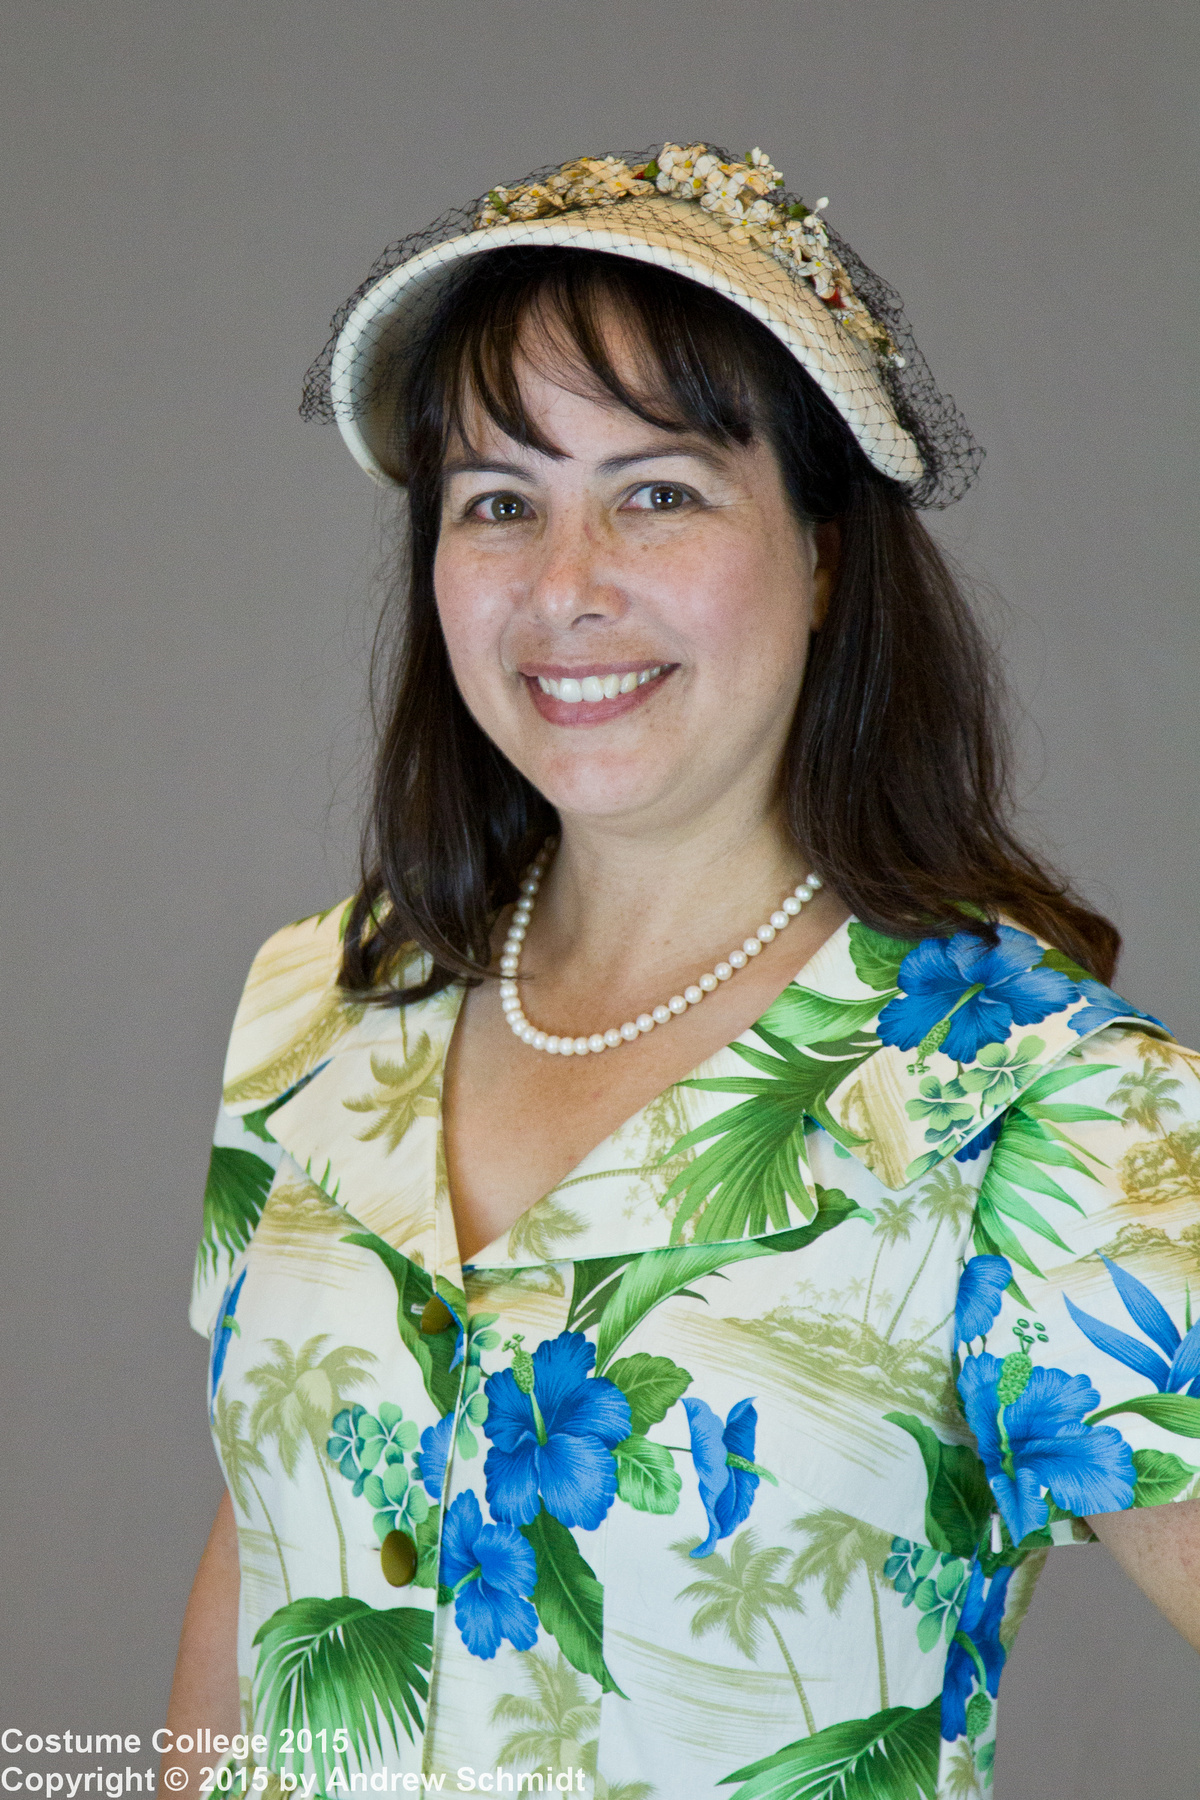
(436,1316)
(398,1558)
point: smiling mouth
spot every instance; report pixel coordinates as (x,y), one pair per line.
(591,690)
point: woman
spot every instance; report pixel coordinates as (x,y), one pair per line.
(658,1399)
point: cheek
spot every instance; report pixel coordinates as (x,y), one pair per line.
(751,609)
(472,618)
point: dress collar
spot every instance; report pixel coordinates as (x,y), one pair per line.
(902,1052)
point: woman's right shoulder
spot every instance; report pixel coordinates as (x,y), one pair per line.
(293,1011)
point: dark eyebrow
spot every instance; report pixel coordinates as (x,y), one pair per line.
(612,465)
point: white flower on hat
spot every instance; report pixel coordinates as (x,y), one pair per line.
(737,195)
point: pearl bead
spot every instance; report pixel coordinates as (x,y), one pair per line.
(510,967)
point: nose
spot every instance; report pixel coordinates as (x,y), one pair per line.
(574,579)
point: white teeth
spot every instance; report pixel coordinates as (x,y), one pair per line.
(591,688)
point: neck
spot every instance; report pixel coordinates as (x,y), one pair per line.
(620,899)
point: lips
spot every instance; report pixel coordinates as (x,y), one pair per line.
(592,696)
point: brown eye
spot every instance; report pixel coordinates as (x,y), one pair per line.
(664,497)
(502,507)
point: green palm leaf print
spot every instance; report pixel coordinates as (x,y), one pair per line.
(325,1664)
(750,1181)
(893,1755)
(234,1195)
(1030,1145)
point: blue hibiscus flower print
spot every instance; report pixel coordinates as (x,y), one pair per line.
(725,1467)
(491,1572)
(976,1657)
(434,1453)
(980,1289)
(1028,1423)
(1177,1370)
(1103,1006)
(982,992)
(226,1326)
(553,1426)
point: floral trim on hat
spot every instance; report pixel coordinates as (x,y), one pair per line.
(737,195)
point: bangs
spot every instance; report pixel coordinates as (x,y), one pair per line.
(553,311)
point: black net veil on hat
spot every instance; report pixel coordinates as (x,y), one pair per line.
(950,455)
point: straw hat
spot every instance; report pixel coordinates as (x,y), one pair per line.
(727,225)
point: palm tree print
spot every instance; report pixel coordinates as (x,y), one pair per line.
(838,1548)
(298,1396)
(239,1455)
(946,1200)
(894,1220)
(404,1093)
(553,1721)
(538,1232)
(740,1594)
(1145,1096)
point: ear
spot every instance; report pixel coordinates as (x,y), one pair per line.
(827,542)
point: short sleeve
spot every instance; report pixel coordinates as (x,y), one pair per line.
(241,1169)
(1076,1327)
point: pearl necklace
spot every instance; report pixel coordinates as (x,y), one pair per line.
(616,1035)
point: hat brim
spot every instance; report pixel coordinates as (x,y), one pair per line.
(370,354)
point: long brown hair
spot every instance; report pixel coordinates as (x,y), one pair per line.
(896,773)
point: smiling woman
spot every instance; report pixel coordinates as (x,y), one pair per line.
(799,1327)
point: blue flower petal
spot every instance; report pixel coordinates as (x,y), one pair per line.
(984,1019)
(1121,1347)
(578,1479)
(983,1140)
(1147,1312)
(1020,1503)
(980,1290)
(509,1422)
(561,1367)
(433,1454)
(511,1478)
(1103,1007)
(977,1386)
(461,1526)
(506,1559)
(1186,1366)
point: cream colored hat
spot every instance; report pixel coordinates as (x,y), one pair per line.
(728,225)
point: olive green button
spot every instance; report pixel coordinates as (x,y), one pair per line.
(436,1316)
(398,1558)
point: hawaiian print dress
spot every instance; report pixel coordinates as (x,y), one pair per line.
(730,1468)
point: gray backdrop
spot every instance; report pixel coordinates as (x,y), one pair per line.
(190,190)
